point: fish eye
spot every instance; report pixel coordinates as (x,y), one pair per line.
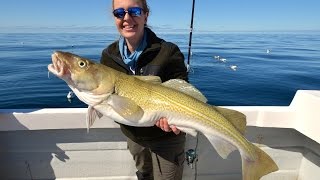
(82,64)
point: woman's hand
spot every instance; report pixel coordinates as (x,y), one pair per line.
(163,124)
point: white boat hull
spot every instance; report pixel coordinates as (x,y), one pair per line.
(54,144)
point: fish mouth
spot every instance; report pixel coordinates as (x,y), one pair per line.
(58,67)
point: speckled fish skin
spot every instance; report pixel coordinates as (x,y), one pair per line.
(135,102)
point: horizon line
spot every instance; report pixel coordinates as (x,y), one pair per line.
(112,29)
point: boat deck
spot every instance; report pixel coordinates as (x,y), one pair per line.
(54,144)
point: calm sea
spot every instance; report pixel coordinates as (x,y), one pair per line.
(270,67)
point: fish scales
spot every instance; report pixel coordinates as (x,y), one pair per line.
(135,89)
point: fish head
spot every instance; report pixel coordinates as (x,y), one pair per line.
(85,77)
(75,70)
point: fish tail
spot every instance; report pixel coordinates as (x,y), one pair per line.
(260,166)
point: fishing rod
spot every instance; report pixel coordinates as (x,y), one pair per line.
(191,154)
(190,36)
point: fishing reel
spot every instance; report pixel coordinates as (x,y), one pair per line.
(191,157)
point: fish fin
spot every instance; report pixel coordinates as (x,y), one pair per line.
(236,118)
(92,115)
(223,147)
(256,168)
(150,79)
(126,108)
(186,88)
(187,130)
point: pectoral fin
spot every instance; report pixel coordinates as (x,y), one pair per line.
(185,87)
(126,108)
(92,115)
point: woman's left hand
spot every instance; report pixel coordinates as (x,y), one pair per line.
(163,124)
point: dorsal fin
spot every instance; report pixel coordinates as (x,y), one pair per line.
(184,87)
(236,118)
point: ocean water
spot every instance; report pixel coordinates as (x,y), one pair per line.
(270,67)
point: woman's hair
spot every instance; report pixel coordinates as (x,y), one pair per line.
(144,3)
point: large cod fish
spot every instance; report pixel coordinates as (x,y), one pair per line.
(142,100)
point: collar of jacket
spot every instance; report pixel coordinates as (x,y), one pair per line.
(153,45)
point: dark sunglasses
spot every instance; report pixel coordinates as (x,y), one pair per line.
(133,11)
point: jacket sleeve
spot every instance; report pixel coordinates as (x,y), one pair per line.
(176,67)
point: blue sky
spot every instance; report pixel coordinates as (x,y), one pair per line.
(210,15)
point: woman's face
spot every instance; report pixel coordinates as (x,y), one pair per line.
(129,27)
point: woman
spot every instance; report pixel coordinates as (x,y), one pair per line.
(158,151)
